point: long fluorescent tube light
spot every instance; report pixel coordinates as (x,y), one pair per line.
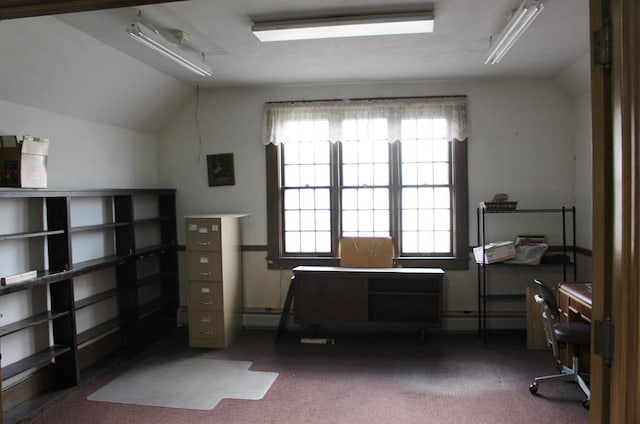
(344,26)
(519,22)
(157,42)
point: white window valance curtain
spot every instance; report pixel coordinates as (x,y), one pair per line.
(334,112)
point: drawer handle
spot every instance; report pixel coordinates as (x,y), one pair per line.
(204,243)
(208,302)
(206,332)
(204,273)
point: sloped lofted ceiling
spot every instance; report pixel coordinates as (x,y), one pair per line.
(74,60)
(48,65)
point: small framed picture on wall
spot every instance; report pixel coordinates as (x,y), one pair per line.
(220,169)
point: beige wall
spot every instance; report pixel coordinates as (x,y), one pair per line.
(522,143)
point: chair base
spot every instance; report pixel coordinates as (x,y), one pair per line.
(567,374)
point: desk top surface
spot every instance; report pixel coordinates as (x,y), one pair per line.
(345,270)
(580,291)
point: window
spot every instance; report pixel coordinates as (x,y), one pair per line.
(370,168)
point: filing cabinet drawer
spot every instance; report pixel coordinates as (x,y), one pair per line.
(203,234)
(204,266)
(205,296)
(206,325)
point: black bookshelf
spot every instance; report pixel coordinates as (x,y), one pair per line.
(61,272)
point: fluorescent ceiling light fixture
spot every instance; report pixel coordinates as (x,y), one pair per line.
(152,38)
(344,26)
(519,22)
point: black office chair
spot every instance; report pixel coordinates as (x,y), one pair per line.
(577,334)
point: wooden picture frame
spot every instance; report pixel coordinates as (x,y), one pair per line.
(220,169)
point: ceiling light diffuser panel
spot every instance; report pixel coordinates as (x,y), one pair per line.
(344,26)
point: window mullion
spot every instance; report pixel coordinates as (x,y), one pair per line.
(336,204)
(395,195)
(280,150)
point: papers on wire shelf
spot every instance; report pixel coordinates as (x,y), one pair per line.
(494,252)
(530,239)
(18,278)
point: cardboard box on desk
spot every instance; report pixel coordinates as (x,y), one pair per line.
(24,163)
(495,252)
(366,252)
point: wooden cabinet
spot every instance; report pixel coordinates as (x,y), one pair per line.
(215,279)
(574,301)
(106,263)
(409,297)
(334,300)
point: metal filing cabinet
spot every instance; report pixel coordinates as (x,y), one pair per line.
(214,273)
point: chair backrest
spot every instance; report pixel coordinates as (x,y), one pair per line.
(546,300)
(547,294)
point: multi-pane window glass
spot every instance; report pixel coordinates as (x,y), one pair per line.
(306,188)
(425,173)
(365,178)
(401,190)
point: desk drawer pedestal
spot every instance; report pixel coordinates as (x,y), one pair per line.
(369,296)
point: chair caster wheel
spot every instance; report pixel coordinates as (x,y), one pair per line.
(585,404)
(533,388)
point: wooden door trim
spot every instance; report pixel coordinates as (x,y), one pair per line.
(625,371)
(616,212)
(601,208)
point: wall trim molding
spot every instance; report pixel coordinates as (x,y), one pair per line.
(263,248)
(253,248)
(583,251)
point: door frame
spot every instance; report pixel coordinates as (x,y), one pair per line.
(615,94)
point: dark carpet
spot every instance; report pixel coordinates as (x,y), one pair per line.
(362,378)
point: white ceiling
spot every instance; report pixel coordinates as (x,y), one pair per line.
(456,48)
(85,66)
